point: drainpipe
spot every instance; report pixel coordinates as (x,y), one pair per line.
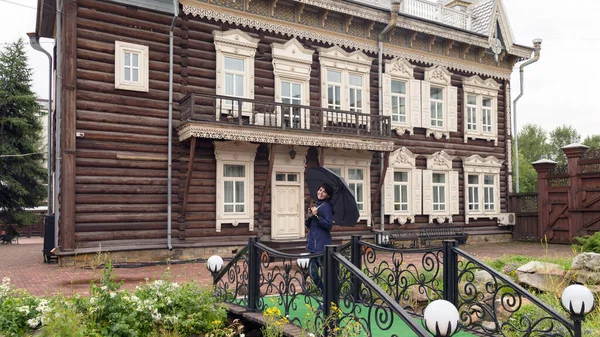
(58,119)
(34,41)
(395,8)
(537,46)
(170,151)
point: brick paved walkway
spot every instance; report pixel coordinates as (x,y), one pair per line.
(24,264)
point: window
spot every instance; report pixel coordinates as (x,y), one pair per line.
(401,96)
(440,188)
(402,187)
(482,185)
(235,189)
(480,109)
(354,167)
(131,66)
(345,85)
(235,69)
(439,103)
(291,67)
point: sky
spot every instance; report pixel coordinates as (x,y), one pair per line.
(559,89)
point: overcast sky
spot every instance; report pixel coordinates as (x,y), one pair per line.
(558,88)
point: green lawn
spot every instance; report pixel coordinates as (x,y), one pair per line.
(300,311)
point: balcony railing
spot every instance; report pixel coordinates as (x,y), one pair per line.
(273,115)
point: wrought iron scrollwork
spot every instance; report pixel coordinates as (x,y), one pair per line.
(488,303)
(231,284)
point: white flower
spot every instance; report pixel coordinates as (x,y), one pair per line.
(112,294)
(310,334)
(6,280)
(104,288)
(33,322)
(24,309)
(242,335)
(92,300)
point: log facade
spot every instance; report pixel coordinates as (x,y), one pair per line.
(114,174)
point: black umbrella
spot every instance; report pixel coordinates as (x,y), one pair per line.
(345,209)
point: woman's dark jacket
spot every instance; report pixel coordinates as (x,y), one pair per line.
(319,226)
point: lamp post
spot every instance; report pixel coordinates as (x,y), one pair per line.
(34,41)
(577,301)
(214,264)
(441,318)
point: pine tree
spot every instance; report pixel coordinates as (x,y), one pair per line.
(21,173)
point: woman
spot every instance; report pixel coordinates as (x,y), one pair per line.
(319,221)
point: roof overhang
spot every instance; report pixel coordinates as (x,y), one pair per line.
(46,16)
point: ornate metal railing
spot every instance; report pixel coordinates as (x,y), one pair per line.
(274,115)
(437,12)
(488,303)
(377,287)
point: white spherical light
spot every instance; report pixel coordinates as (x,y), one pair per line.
(442,314)
(214,263)
(303,262)
(577,299)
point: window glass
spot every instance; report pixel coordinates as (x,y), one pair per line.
(334,76)
(355,80)
(399,87)
(234,64)
(233,170)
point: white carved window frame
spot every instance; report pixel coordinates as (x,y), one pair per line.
(440,163)
(235,44)
(439,77)
(402,160)
(476,86)
(476,165)
(235,153)
(400,69)
(348,159)
(356,62)
(142,84)
(292,63)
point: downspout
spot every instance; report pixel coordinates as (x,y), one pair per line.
(58,119)
(170,151)
(537,46)
(395,8)
(34,40)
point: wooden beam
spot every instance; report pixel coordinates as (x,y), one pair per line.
(386,163)
(321,156)
(68,125)
(188,179)
(263,199)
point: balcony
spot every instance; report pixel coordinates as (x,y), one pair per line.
(224,117)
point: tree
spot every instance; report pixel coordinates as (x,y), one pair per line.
(559,138)
(527,175)
(21,173)
(592,141)
(532,143)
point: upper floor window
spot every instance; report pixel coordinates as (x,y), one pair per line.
(439,103)
(131,66)
(482,187)
(345,79)
(440,188)
(291,67)
(402,187)
(401,96)
(354,167)
(481,114)
(235,183)
(235,69)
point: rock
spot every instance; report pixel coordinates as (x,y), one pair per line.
(586,261)
(540,275)
(584,276)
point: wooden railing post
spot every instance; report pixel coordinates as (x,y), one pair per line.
(574,152)
(542,167)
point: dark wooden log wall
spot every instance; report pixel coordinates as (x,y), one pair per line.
(121,165)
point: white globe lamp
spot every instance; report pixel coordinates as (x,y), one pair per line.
(441,318)
(214,264)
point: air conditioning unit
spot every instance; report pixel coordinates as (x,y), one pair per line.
(507,219)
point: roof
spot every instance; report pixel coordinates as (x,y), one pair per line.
(482,13)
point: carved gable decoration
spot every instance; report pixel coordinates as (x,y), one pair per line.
(292,50)
(476,163)
(353,60)
(440,161)
(478,85)
(236,41)
(400,67)
(402,158)
(438,75)
(237,151)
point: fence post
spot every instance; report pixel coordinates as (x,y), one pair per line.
(574,152)
(356,258)
(450,272)
(253,274)
(542,167)
(331,281)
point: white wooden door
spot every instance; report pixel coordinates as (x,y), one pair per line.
(287,209)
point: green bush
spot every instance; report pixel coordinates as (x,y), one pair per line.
(588,243)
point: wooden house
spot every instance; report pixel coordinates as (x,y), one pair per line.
(185,127)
